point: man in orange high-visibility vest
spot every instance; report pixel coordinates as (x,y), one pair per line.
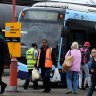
(45,60)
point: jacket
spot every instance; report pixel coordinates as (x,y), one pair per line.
(4,54)
(93,67)
(77,60)
(31,58)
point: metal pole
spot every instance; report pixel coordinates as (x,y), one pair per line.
(14,10)
(14,62)
(59,66)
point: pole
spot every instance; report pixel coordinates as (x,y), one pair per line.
(58,63)
(14,10)
(14,62)
(13,74)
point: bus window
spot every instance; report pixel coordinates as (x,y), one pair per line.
(81,31)
(79,36)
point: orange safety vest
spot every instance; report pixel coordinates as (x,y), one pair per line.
(48,58)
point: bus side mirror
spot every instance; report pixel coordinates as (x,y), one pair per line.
(65,32)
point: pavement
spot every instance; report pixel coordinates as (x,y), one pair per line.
(60,91)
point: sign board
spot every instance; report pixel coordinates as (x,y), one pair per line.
(14,49)
(12,35)
(13,29)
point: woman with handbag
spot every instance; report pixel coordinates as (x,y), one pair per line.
(73,71)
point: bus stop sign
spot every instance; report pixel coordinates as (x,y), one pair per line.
(12,35)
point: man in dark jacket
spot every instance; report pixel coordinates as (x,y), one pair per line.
(4,59)
(45,60)
(93,72)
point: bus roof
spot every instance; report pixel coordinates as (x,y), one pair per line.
(76,7)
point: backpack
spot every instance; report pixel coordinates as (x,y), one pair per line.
(84,53)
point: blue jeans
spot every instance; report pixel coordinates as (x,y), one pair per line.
(86,71)
(72,79)
(90,93)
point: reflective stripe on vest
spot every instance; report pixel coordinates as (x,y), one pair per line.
(31,58)
(48,58)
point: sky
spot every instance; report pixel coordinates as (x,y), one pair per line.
(79,1)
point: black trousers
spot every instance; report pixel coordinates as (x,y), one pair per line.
(45,74)
(1,82)
(35,83)
(0,77)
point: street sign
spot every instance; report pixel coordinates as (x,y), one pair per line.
(13,29)
(14,49)
(12,35)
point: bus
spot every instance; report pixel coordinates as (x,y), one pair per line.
(61,24)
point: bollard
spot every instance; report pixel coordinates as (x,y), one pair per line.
(13,74)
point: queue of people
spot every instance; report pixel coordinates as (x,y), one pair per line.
(82,62)
(46,58)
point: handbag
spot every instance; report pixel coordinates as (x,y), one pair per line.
(35,74)
(67,62)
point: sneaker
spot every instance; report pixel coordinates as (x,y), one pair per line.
(74,92)
(36,88)
(25,86)
(80,88)
(83,88)
(68,92)
(47,90)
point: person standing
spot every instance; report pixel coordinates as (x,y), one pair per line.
(4,60)
(73,71)
(85,57)
(31,56)
(45,60)
(93,72)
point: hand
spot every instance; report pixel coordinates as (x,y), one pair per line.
(92,70)
(37,65)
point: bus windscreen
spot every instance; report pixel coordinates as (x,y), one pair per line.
(41,15)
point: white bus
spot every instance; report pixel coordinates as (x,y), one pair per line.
(60,23)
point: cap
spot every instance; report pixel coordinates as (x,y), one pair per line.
(87,44)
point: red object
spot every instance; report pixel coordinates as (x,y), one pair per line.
(13,72)
(87,44)
(23,14)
